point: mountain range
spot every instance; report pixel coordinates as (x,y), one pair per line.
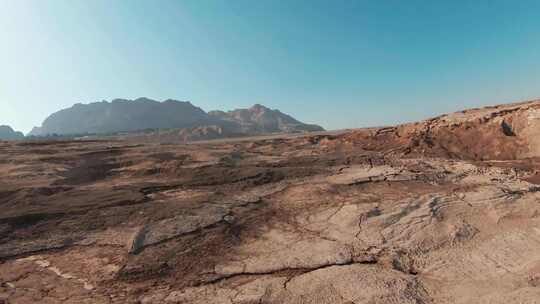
(123,115)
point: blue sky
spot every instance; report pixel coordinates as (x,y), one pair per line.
(336,63)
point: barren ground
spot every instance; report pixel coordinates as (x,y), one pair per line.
(442,211)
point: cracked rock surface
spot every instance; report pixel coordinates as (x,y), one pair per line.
(407,214)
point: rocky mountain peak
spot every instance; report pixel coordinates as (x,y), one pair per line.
(258,107)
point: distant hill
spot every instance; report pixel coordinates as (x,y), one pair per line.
(122,115)
(7,133)
(260,119)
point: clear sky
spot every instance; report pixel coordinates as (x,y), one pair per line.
(336,63)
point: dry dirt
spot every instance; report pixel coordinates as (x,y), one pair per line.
(442,211)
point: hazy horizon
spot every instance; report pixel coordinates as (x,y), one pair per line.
(337,64)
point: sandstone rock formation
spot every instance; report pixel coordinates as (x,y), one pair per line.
(432,212)
(509,131)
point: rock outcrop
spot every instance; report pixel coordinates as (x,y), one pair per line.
(509,131)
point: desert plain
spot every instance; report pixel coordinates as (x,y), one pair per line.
(445,210)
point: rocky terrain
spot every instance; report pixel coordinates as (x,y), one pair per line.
(177,120)
(440,211)
(7,133)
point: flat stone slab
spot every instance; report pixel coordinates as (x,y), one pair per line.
(174,227)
